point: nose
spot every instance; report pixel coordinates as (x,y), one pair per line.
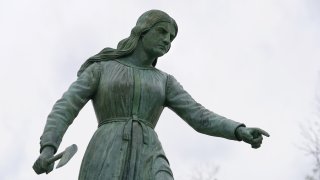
(166,39)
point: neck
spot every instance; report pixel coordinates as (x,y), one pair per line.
(139,57)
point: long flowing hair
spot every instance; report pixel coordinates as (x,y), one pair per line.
(126,46)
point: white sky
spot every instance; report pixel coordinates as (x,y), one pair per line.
(256,62)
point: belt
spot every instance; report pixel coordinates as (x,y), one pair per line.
(128,126)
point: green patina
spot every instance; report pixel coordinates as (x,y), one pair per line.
(128,95)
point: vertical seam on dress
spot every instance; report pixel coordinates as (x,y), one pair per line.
(165,90)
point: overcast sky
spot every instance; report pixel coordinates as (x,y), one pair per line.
(255,62)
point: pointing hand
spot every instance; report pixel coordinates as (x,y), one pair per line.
(251,136)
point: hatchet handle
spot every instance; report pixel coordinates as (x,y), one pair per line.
(56,157)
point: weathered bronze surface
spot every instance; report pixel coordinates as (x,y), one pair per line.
(128,95)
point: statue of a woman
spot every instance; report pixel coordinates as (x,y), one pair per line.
(128,95)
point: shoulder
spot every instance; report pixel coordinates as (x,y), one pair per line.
(109,63)
(173,83)
(160,72)
(92,68)
(170,79)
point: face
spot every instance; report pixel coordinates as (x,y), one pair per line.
(157,41)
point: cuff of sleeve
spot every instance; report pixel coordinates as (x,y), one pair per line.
(49,139)
(54,146)
(235,132)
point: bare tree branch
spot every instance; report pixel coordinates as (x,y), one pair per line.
(311,135)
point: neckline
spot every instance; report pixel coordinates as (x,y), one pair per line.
(132,65)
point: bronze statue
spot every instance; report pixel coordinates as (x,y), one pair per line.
(128,95)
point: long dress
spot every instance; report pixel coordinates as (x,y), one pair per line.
(128,101)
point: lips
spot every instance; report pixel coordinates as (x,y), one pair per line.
(163,47)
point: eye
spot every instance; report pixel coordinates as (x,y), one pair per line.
(161,30)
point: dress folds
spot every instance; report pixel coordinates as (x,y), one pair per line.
(128,102)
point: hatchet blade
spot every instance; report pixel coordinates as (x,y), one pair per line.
(67,155)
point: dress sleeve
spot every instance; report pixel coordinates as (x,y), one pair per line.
(68,106)
(198,117)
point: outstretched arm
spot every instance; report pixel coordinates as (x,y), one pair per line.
(198,117)
(205,121)
(63,113)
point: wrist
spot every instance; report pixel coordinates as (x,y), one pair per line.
(48,151)
(238,132)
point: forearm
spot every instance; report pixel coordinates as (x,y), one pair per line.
(66,109)
(197,116)
(57,123)
(210,123)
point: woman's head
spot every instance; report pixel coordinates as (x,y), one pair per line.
(144,23)
(127,46)
(157,40)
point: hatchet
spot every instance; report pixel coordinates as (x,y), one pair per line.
(65,156)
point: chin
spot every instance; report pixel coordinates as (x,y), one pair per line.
(157,52)
(160,53)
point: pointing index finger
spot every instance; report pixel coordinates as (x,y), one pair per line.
(261,131)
